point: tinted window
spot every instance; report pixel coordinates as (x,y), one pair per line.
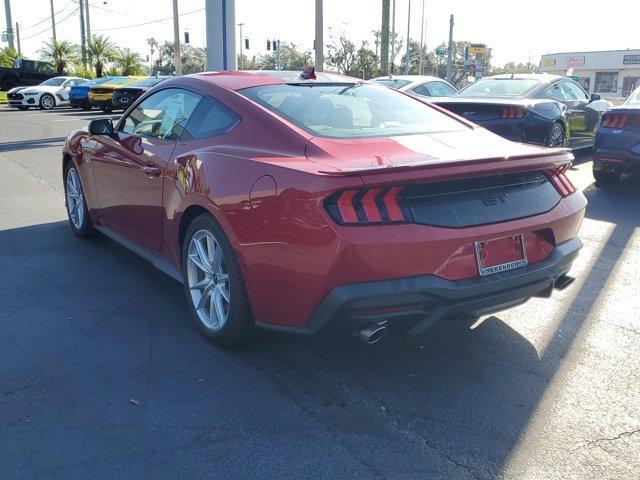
(53,82)
(211,118)
(554,92)
(435,89)
(163,115)
(499,87)
(351,110)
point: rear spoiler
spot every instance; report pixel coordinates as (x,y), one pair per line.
(546,159)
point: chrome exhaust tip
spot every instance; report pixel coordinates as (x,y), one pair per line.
(372,332)
(563,282)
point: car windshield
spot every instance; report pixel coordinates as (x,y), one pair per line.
(351,110)
(54,82)
(97,81)
(499,87)
(148,82)
(392,82)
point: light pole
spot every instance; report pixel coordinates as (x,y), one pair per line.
(407,66)
(86,6)
(53,21)
(7,12)
(319,43)
(241,46)
(421,41)
(176,39)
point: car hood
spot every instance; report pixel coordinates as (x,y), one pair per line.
(16,89)
(469,144)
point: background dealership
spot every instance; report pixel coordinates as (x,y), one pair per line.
(613,73)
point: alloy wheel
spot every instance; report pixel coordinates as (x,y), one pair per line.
(47,102)
(208,280)
(75,199)
(556,137)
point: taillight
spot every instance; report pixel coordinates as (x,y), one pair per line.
(367,206)
(512,112)
(614,120)
(560,181)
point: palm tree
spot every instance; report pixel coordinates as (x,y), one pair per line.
(129,62)
(102,50)
(153,46)
(7,56)
(60,54)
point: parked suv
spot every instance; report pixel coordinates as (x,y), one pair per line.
(25,73)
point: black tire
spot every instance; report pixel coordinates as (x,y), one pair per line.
(23,107)
(239,326)
(86,108)
(557,136)
(46,105)
(606,178)
(85,229)
(106,108)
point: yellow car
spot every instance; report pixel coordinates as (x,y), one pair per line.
(100,95)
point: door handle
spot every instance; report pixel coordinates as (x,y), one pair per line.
(151,170)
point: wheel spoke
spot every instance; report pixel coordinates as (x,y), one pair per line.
(212,312)
(195,258)
(224,291)
(201,284)
(220,313)
(205,293)
(204,255)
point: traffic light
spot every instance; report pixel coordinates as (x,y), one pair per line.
(246,44)
(275,45)
(268,44)
(186,37)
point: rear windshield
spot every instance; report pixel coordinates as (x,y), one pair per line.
(634,99)
(97,81)
(121,80)
(148,82)
(392,82)
(502,87)
(351,110)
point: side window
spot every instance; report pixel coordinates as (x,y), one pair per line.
(421,90)
(210,119)
(163,115)
(572,91)
(554,92)
(439,89)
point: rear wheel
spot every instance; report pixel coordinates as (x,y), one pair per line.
(605,178)
(214,285)
(557,137)
(47,102)
(107,108)
(76,204)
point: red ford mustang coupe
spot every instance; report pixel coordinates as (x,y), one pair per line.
(307,203)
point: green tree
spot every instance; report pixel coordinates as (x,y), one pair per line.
(193,59)
(60,54)
(7,56)
(428,60)
(367,62)
(101,50)
(290,59)
(129,62)
(342,55)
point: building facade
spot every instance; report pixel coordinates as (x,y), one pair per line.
(613,73)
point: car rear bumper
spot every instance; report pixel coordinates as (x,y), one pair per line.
(79,102)
(101,102)
(412,304)
(616,160)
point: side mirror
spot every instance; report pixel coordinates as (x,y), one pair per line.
(101,126)
(595,97)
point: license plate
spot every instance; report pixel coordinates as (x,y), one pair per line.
(500,254)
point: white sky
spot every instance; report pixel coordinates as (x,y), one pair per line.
(514,29)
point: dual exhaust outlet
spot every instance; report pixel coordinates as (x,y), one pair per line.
(375,331)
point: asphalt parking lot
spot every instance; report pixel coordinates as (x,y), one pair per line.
(103,375)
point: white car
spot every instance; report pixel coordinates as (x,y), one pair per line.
(51,93)
(421,86)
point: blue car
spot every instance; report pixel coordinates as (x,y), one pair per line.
(78,95)
(617,145)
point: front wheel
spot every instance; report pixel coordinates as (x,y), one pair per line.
(605,178)
(76,204)
(47,102)
(214,285)
(557,137)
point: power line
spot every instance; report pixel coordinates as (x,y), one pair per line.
(48,18)
(49,28)
(146,23)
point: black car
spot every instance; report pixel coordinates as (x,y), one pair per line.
(542,109)
(124,97)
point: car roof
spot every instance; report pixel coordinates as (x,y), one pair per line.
(239,79)
(541,77)
(413,78)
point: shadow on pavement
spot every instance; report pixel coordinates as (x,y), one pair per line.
(31,144)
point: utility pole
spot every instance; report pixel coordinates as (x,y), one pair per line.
(53,21)
(384,39)
(18,38)
(407,66)
(176,39)
(83,45)
(450,52)
(7,12)
(86,6)
(241,46)
(421,61)
(393,37)
(319,42)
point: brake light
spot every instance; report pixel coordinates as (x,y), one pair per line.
(560,181)
(512,112)
(614,120)
(367,206)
